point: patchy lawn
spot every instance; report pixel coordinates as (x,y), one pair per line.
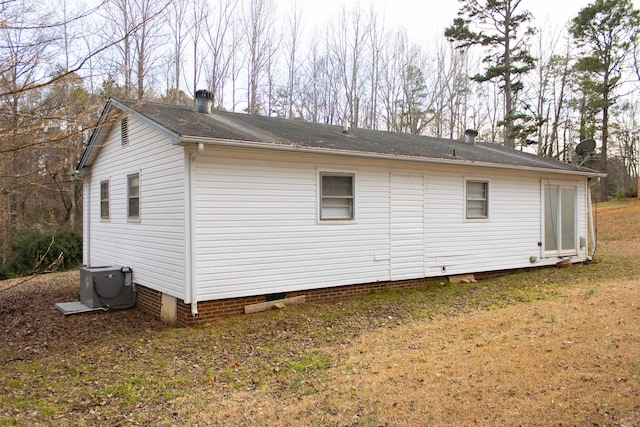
(546,347)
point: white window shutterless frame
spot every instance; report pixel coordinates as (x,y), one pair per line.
(337,196)
(133,197)
(477,199)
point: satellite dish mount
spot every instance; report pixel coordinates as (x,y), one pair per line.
(584,150)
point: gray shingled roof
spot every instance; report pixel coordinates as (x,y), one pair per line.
(185,123)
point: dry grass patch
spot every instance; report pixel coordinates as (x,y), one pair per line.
(570,360)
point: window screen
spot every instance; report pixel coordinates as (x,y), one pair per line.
(477,199)
(336,196)
(133,194)
(104,200)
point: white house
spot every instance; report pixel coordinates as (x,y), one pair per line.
(217,210)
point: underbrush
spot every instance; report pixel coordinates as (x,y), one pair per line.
(37,252)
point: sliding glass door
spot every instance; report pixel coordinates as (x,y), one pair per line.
(560,219)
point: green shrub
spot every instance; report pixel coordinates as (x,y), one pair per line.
(631,192)
(40,252)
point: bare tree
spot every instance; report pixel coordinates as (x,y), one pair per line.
(259,24)
(393,63)
(176,16)
(43,111)
(293,41)
(376,39)
(147,39)
(624,138)
(315,74)
(136,22)
(222,46)
(348,50)
(452,91)
(119,21)
(561,73)
(540,89)
(237,64)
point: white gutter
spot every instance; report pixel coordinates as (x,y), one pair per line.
(190,238)
(274,146)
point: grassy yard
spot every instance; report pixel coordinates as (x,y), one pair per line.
(543,347)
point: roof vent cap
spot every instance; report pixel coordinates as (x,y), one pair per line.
(470,136)
(204,99)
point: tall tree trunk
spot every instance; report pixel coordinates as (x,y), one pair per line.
(604,194)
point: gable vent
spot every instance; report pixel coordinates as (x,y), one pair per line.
(124,131)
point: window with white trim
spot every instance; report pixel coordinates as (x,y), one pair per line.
(133,196)
(477,199)
(337,196)
(104,199)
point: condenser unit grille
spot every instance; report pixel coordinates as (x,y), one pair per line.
(107,287)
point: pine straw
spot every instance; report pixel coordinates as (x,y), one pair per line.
(547,347)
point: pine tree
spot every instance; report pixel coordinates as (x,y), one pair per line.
(606,32)
(500,28)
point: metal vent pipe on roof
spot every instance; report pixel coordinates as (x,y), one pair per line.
(204,99)
(470,136)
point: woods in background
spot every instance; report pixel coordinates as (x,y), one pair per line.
(539,89)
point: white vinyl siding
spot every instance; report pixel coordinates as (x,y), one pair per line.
(407,227)
(154,245)
(257,229)
(508,241)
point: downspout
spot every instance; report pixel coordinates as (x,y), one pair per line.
(86,183)
(190,219)
(592,233)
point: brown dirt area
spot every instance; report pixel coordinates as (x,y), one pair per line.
(571,361)
(550,347)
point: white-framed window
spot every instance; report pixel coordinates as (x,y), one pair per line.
(104,199)
(337,196)
(560,215)
(133,197)
(476,199)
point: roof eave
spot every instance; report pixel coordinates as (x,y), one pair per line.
(186,140)
(88,154)
(98,135)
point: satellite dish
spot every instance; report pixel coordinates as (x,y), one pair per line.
(585,147)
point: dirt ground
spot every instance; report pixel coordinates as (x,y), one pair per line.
(566,352)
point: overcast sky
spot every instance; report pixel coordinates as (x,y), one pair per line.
(426,19)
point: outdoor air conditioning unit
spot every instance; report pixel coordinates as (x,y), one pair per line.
(107,287)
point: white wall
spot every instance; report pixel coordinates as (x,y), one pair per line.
(155,245)
(258,233)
